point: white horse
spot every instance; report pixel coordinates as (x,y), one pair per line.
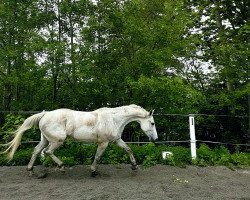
(101,126)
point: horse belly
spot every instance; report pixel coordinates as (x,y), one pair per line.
(85,134)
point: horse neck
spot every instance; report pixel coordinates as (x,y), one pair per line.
(131,115)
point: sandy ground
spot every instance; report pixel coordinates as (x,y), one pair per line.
(120,182)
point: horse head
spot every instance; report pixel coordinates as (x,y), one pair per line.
(148,126)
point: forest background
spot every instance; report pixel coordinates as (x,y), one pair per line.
(176,56)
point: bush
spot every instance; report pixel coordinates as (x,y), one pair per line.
(205,156)
(222,156)
(73,153)
(240,159)
(4,161)
(150,160)
(22,157)
(11,124)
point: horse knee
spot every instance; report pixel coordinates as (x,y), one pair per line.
(127,149)
(48,152)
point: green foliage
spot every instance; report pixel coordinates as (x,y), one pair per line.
(170,94)
(68,161)
(11,124)
(73,153)
(240,159)
(150,160)
(47,161)
(22,157)
(181,156)
(89,54)
(4,161)
(220,156)
(91,58)
(205,155)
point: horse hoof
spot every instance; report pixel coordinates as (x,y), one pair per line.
(62,170)
(42,175)
(94,174)
(31,174)
(134,167)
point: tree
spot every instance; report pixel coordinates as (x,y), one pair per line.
(225,43)
(87,54)
(18,32)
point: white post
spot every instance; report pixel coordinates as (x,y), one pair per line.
(192,136)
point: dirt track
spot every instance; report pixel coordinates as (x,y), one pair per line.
(119,182)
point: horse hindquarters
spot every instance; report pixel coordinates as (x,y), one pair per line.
(55,134)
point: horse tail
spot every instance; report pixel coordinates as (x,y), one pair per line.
(27,124)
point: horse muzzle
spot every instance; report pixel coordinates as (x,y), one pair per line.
(153,138)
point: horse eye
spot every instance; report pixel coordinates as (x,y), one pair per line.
(152,123)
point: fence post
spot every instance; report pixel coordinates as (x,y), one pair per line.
(192,136)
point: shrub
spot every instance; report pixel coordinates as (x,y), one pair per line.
(222,156)
(12,122)
(22,157)
(181,156)
(205,156)
(150,160)
(73,153)
(3,161)
(69,161)
(240,159)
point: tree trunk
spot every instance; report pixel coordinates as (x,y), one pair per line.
(72,50)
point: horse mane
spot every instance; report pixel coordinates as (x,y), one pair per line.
(138,110)
(127,110)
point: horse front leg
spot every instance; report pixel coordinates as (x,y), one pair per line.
(100,149)
(124,146)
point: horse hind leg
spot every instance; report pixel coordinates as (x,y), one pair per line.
(50,152)
(37,150)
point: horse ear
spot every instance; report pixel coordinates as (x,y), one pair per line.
(151,112)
